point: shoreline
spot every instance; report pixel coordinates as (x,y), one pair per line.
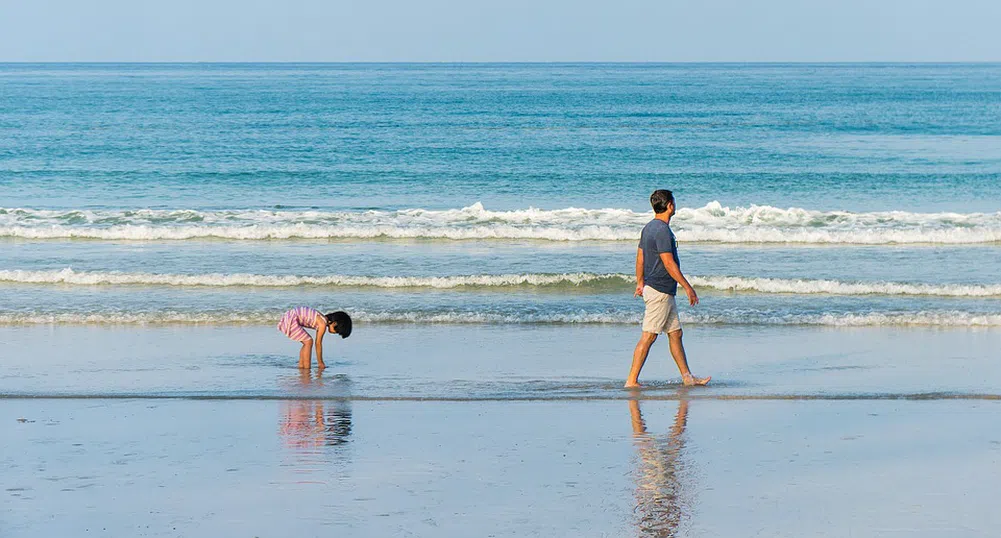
(497,363)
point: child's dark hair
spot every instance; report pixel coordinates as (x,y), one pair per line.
(343,321)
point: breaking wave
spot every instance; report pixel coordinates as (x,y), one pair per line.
(871,319)
(838,287)
(93,278)
(710,223)
(577,281)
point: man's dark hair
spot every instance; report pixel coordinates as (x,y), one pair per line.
(343,321)
(660,199)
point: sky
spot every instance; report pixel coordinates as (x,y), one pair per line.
(500,30)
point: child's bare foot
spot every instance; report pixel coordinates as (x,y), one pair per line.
(633,385)
(690,380)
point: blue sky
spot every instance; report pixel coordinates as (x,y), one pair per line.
(508,30)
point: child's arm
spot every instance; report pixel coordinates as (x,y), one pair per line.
(320,331)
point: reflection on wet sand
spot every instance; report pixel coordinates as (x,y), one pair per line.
(313,424)
(660,506)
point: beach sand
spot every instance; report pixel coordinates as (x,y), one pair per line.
(279,468)
(497,431)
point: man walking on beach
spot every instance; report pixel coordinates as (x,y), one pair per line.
(658,274)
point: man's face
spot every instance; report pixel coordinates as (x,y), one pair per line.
(670,209)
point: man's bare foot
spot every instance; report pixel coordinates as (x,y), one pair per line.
(690,381)
(633,385)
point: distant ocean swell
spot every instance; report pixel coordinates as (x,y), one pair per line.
(711,223)
(871,319)
(576,281)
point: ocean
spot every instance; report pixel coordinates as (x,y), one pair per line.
(841,223)
(832,195)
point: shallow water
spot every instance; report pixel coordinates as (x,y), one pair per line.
(485,362)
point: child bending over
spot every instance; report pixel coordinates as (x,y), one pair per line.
(295,322)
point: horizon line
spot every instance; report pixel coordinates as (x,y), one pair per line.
(503,62)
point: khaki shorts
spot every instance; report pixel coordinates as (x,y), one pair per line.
(661,312)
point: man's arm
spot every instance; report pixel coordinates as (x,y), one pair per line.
(639,273)
(675,272)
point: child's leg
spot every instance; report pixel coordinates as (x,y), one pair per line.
(292,329)
(306,354)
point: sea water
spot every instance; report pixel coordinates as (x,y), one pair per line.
(841,223)
(831,195)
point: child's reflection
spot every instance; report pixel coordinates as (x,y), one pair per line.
(313,424)
(659,502)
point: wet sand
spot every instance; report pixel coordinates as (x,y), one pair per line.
(209,431)
(604,468)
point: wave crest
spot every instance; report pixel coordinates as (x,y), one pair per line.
(576,281)
(96,278)
(838,287)
(945,319)
(710,223)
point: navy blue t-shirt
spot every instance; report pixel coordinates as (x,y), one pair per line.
(657,237)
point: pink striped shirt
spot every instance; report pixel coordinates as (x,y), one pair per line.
(305,316)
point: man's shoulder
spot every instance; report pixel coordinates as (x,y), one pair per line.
(657,226)
(657,232)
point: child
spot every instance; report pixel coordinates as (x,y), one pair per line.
(295,322)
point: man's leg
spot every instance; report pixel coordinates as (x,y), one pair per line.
(639,358)
(678,352)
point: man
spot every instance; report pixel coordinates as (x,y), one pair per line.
(658,274)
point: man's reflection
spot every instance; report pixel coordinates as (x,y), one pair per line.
(313,424)
(659,502)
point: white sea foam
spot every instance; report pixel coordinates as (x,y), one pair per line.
(94,278)
(710,223)
(838,287)
(877,319)
(573,280)
(943,319)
